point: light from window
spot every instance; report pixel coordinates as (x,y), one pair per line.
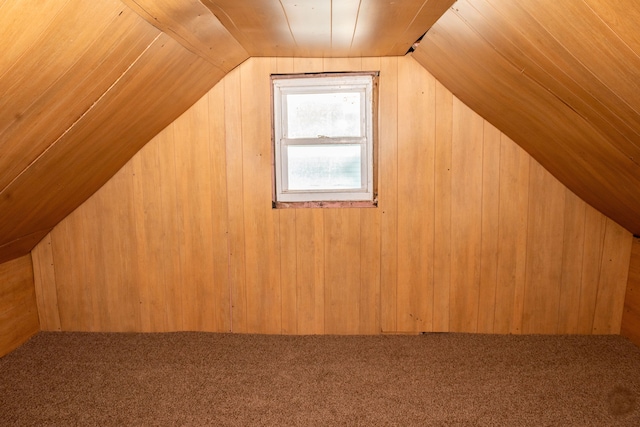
(323,138)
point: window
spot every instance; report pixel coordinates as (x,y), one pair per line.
(324,140)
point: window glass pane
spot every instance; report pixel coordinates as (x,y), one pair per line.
(310,115)
(324,167)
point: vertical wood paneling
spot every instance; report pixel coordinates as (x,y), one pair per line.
(150,243)
(194,217)
(490,228)
(416,152)
(370,240)
(594,238)
(471,234)
(262,240)
(45,283)
(514,204)
(221,317)
(343,256)
(631,315)
(170,263)
(572,259)
(235,201)
(310,244)
(544,252)
(388,192)
(288,229)
(18,307)
(442,209)
(616,252)
(466,217)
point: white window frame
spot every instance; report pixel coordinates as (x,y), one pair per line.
(363,83)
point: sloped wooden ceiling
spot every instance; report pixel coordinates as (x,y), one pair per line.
(85,84)
(561,78)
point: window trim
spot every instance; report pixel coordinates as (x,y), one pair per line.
(324,82)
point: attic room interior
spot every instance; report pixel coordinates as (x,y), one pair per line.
(152,273)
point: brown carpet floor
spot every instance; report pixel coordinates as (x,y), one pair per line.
(200,379)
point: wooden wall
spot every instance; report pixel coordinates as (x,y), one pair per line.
(471,234)
(18,310)
(631,314)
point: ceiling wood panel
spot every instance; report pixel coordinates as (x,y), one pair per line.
(327,28)
(94,148)
(260,26)
(554,68)
(21,245)
(41,110)
(192,25)
(84,87)
(539,87)
(23,23)
(391,27)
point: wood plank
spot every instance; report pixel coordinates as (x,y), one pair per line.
(245,21)
(466,218)
(262,240)
(442,209)
(288,245)
(311,26)
(310,240)
(592,262)
(388,192)
(219,209)
(193,172)
(544,252)
(68,253)
(572,263)
(427,15)
(193,25)
(112,292)
(21,245)
(343,258)
(344,20)
(490,244)
(416,152)
(370,241)
(386,29)
(149,238)
(234,163)
(44,277)
(170,264)
(24,23)
(616,253)
(342,232)
(630,327)
(310,261)
(514,207)
(18,307)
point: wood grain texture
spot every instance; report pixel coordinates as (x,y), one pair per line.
(84,88)
(471,234)
(192,25)
(327,28)
(544,71)
(630,327)
(18,307)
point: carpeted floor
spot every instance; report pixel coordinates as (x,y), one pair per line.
(199,379)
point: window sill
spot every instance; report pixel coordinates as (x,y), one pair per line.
(326,204)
